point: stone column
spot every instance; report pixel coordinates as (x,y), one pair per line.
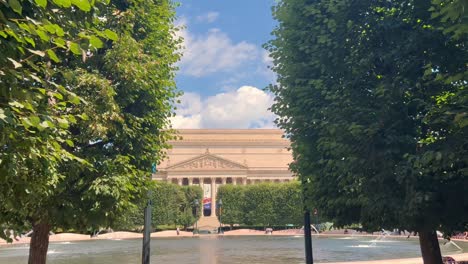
(213,197)
(244,181)
(179,181)
(200,182)
(234,181)
(223,180)
(190,181)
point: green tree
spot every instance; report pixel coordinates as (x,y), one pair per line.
(36,39)
(79,135)
(365,93)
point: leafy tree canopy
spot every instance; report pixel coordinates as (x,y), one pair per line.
(86,92)
(373,96)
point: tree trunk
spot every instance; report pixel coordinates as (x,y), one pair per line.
(430,249)
(39,243)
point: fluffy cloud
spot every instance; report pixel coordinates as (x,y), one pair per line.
(209,17)
(212,52)
(246,107)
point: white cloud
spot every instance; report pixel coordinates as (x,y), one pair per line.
(189,103)
(212,52)
(209,17)
(246,107)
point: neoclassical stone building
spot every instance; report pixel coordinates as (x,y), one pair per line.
(212,157)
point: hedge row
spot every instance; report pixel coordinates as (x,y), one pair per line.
(266,204)
(171,205)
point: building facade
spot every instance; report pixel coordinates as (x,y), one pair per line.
(213,157)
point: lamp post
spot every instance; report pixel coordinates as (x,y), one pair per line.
(220,206)
(197,204)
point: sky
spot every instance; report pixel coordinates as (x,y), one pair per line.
(224,69)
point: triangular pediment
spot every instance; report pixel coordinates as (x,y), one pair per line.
(207,162)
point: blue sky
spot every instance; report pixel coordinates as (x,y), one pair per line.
(224,67)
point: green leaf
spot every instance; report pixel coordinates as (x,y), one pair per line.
(50,28)
(30,41)
(111,34)
(43,35)
(58,96)
(69,143)
(34,120)
(63,123)
(72,119)
(53,56)
(41,3)
(42,90)
(16,6)
(83,116)
(96,42)
(75,48)
(82,4)
(64,3)
(26,123)
(59,30)
(60,42)
(74,99)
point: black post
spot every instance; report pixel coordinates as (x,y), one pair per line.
(147,234)
(308,238)
(307,229)
(145,258)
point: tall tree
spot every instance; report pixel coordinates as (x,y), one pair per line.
(82,165)
(365,93)
(36,39)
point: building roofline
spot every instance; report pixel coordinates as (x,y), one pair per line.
(231,131)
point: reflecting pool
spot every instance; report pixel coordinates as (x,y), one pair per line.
(226,250)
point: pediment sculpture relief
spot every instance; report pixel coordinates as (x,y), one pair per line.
(208,162)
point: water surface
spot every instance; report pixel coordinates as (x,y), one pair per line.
(225,250)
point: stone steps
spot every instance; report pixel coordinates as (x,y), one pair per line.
(208,223)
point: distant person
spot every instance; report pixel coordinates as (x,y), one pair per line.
(178,231)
